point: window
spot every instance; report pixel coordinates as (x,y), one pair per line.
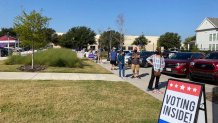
(214,36)
(130,48)
(216,47)
(92,47)
(213,47)
(197,56)
(217,36)
(209,46)
(210,38)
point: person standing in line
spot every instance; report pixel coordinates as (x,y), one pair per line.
(113,58)
(121,64)
(158,63)
(135,63)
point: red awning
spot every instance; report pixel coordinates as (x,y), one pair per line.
(5,38)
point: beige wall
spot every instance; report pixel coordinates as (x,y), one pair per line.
(128,40)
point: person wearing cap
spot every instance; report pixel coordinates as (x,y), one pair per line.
(113,58)
(135,63)
(158,63)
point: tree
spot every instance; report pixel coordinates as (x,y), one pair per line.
(51,35)
(169,40)
(109,37)
(140,41)
(78,38)
(11,32)
(188,40)
(30,28)
(120,22)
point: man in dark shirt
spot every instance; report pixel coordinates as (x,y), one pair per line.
(113,58)
(135,63)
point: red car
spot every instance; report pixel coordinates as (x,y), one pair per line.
(178,63)
(205,69)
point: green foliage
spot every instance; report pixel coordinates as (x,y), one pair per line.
(169,40)
(195,49)
(141,40)
(50,57)
(11,32)
(30,28)
(187,40)
(51,35)
(108,36)
(78,37)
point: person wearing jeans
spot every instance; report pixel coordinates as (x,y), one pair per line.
(158,63)
(121,64)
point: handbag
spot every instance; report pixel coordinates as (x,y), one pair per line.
(158,73)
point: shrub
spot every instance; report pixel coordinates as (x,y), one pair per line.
(51,57)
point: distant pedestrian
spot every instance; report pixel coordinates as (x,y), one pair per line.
(113,58)
(121,64)
(135,63)
(99,55)
(158,63)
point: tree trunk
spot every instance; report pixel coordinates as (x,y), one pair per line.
(32,54)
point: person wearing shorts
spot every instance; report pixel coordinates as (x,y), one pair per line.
(135,63)
(113,58)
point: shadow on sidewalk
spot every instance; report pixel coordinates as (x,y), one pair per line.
(215,104)
(144,74)
(163,84)
(141,75)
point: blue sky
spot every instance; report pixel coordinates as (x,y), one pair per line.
(151,17)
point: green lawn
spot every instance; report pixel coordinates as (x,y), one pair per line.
(75,101)
(89,67)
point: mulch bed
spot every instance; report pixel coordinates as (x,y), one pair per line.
(28,68)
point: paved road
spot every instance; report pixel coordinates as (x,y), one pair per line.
(212,108)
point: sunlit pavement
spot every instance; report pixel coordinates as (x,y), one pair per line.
(142,84)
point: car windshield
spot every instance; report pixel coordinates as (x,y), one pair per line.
(145,53)
(212,56)
(181,56)
(129,54)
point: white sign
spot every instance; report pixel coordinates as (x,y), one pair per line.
(180,103)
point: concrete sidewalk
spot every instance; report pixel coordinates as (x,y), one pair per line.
(142,84)
(57,76)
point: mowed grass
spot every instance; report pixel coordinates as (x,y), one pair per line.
(75,101)
(88,67)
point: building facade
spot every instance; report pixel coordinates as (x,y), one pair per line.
(207,34)
(128,40)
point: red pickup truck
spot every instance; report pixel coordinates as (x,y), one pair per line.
(178,63)
(205,69)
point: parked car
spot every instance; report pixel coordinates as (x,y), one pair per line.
(167,54)
(143,56)
(4,52)
(179,63)
(205,69)
(127,56)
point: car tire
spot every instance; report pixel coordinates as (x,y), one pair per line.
(190,77)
